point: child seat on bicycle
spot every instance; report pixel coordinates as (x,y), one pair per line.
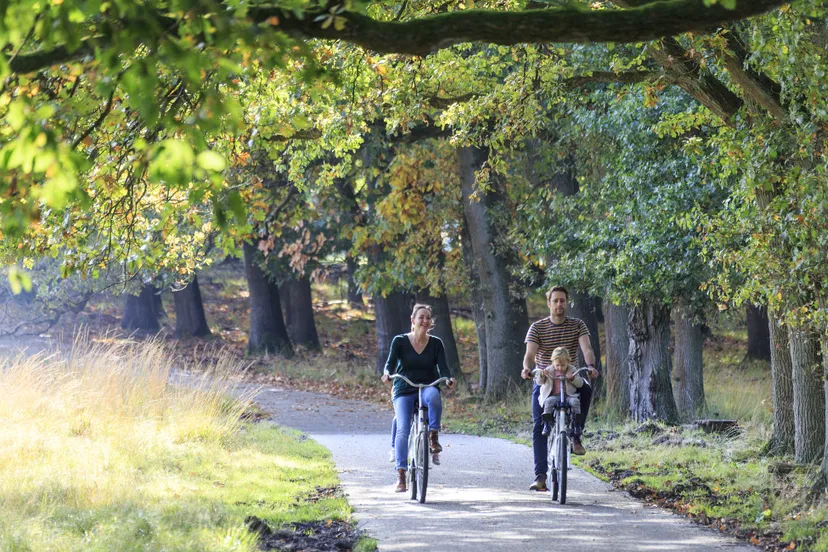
(550,389)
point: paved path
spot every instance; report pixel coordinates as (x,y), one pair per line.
(477,498)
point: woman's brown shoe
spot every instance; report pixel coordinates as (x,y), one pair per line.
(401,488)
(434,444)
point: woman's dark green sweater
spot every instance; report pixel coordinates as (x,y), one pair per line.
(425,367)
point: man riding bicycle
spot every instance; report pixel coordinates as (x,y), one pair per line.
(544,336)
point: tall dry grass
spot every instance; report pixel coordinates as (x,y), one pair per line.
(92,443)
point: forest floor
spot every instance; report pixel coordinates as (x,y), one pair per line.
(721,481)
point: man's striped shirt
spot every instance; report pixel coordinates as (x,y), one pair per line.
(549,336)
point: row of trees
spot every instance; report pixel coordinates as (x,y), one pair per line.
(670,178)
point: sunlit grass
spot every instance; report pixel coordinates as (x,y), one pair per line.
(99,452)
(727,478)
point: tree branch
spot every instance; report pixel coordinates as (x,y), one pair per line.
(307,134)
(425,35)
(758,87)
(609,77)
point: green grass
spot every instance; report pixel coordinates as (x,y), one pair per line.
(726,479)
(98,452)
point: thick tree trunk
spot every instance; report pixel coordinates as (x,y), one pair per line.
(478,314)
(189,311)
(824,478)
(142,312)
(758,333)
(354,294)
(442,327)
(268,333)
(297,305)
(506,318)
(782,438)
(393,314)
(808,396)
(651,395)
(583,307)
(688,374)
(617,371)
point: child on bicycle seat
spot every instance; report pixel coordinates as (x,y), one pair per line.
(550,388)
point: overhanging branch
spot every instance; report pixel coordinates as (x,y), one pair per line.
(425,35)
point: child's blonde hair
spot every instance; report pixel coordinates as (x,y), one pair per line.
(561,352)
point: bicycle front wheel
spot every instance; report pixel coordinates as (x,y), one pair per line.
(422,467)
(412,462)
(561,465)
(552,476)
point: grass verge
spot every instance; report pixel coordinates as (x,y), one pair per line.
(99,452)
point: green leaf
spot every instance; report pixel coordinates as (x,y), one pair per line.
(19,280)
(211,161)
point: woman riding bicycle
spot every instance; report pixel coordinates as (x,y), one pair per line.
(422,359)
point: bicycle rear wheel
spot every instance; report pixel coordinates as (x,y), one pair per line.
(422,467)
(561,465)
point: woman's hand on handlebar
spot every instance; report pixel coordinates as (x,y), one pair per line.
(385,378)
(451,383)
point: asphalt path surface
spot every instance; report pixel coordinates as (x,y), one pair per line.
(478,498)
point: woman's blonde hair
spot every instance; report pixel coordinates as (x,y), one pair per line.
(419,306)
(561,352)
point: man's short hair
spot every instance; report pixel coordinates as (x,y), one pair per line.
(554,289)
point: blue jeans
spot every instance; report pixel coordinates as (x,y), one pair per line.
(404,410)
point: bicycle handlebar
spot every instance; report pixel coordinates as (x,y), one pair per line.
(418,385)
(537,371)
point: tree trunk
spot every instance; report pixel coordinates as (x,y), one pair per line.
(142,311)
(268,333)
(651,395)
(297,304)
(442,328)
(599,309)
(782,438)
(354,295)
(824,477)
(808,396)
(758,333)
(583,307)
(478,314)
(506,318)
(688,374)
(393,314)
(617,372)
(189,311)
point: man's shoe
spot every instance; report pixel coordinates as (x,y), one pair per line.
(434,444)
(577,447)
(539,484)
(400,488)
(392,455)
